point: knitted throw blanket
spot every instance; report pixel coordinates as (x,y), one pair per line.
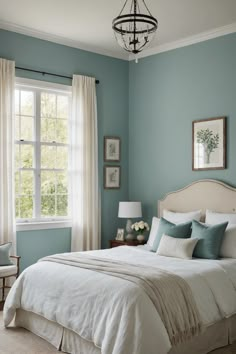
(169,293)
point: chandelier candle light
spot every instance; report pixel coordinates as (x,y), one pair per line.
(135,29)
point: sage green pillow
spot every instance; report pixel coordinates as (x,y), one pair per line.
(168,228)
(5,254)
(209,237)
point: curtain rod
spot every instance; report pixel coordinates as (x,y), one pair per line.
(47,73)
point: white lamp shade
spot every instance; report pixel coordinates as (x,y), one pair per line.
(130,210)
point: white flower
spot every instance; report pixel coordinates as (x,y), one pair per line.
(140,226)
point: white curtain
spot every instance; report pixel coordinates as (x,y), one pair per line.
(7,202)
(85,190)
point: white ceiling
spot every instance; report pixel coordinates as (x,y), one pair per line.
(87,23)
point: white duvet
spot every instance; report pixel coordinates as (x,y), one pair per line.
(113,313)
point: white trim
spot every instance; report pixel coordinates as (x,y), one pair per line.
(8,26)
(37,151)
(42,85)
(43,225)
(200,37)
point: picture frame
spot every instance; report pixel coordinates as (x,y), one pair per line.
(112,177)
(120,235)
(209,144)
(112,149)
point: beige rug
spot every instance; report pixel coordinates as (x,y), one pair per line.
(20,341)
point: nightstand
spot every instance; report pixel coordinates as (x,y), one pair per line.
(116,243)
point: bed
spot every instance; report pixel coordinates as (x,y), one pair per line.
(80,310)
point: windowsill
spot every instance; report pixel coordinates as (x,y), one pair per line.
(43,225)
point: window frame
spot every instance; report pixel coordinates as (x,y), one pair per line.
(41,222)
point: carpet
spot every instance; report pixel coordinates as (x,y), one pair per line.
(20,341)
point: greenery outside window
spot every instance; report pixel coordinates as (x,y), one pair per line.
(42,152)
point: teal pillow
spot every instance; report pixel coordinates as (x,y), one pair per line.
(170,229)
(5,254)
(209,237)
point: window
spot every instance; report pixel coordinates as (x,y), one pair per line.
(42,152)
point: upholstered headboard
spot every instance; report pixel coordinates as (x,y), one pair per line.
(202,194)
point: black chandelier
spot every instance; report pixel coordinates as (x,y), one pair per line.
(134,30)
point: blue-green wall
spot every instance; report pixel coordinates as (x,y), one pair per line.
(151,106)
(112,94)
(33,245)
(166,93)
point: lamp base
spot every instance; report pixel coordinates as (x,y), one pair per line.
(129,237)
(129,231)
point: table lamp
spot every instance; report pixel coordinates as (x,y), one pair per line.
(129,210)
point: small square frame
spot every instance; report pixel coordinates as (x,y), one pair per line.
(120,235)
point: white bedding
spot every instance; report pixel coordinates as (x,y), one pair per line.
(113,313)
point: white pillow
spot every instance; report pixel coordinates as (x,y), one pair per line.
(176,247)
(153,232)
(216,218)
(179,218)
(228,247)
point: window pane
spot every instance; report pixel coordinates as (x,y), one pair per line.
(26,207)
(48,105)
(62,182)
(48,130)
(62,157)
(48,182)
(26,130)
(17,183)
(48,205)
(48,156)
(27,156)
(17,156)
(17,102)
(62,205)
(27,182)
(52,193)
(62,106)
(17,128)
(62,131)
(17,207)
(27,103)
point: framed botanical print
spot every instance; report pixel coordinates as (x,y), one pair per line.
(111,177)
(209,144)
(112,147)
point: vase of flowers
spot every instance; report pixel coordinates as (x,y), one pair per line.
(140,227)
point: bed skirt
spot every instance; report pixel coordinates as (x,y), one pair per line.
(218,335)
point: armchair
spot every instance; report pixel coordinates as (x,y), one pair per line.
(7,272)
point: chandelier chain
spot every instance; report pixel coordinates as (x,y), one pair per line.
(131,6)
(147,7)
(123,7)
